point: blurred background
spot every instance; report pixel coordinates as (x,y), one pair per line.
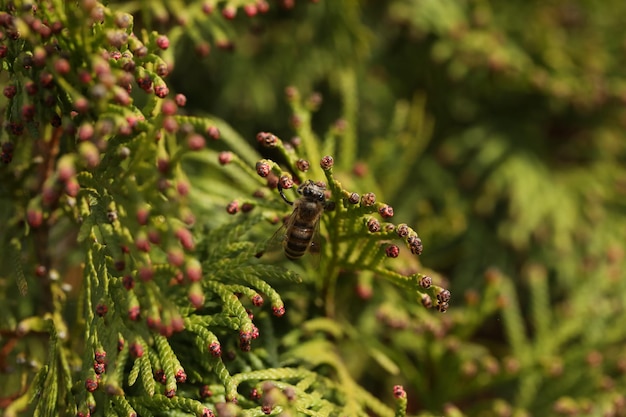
(512,117)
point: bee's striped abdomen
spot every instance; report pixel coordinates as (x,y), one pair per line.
(298,239)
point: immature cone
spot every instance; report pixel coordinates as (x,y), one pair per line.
(327,162)
(263,169)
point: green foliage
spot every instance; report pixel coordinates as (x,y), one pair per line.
(141,258)
(143,297)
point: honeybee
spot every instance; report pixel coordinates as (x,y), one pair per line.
(304,221)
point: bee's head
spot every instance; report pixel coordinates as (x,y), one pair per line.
(313,191)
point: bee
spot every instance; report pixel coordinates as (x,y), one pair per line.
(304,221)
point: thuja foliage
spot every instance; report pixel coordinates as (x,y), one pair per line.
(127,287)
(511,115)
(135,222)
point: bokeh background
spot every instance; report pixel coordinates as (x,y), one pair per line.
(513,116)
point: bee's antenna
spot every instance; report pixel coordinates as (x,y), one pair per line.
(280,191)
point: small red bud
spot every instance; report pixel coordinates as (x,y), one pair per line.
(49,195)
(176,257)
(128,282)
(178,324)
(28,112)
(426,301)
(202,49)
(399,392)
(136,350)
(415,243)
(84,77)
(185,238)
(229,12)
(182,187)
(99,368)
(292,93)
(285,181)
(46,79)
(225,157)
(373,225)
(444,296)
(327,162)
(163,165)
(31,88)
(178,278)
(213,132)
(142,243)
(278,311)
(232,207)
(100,356)
(169,107)
(392,251)
(368,199)
(207,7)
(62,66)
(302,165)
(10,91)
(215,349)
(425,282)
(250,10)
(195,142)
(263,169)
(90,154)
(41,271)
(91,384)
(193,271)
(170,124)
(247,207)
(65,169)
(364,292)
(143,213)
(196,299)
(154,236)
(162,42)
(263,6)
(34,217)
(81,105)
(402,230)
(386,211)
(181,100)
(85,131)
(161,91)
(153,322)
(267,139)
(257,300)
(159,376)
(133,313)
(180,376)
(101,309)
(360,169)
(166,330)
(146,273)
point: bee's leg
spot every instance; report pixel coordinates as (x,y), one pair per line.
(280,191)
(329,206)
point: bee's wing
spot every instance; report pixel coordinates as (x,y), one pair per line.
(275,243)
(316,245)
